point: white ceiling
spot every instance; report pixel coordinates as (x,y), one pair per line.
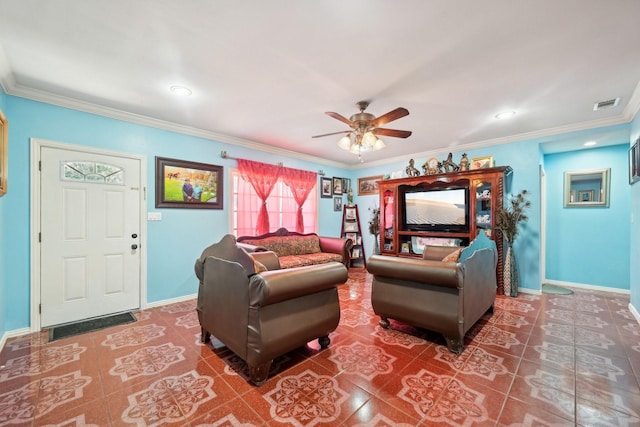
(266,71)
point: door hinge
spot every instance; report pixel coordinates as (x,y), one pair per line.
(39,308)
(39,236)
(40,165)
(144,191)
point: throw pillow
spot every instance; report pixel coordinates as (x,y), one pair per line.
(481,241)
(453,256)
(259,267)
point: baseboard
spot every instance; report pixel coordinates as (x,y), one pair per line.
(13,334)
(25,331)
(589,287)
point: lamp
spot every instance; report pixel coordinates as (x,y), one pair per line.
(360,140)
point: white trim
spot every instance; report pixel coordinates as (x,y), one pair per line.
(12,334)
(35,218)
(530,291)
(634,312)
(171,301)
(588,287)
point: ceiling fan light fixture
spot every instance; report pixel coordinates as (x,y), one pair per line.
(379,145)
(345,142)
(356,149)
(369,139)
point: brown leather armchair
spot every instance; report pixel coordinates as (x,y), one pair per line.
(260,316)
(445,297)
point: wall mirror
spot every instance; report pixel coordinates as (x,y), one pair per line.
(586,188)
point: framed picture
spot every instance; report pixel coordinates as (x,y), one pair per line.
(346,185)
(350,226)
(188,185)
(368,185)
(337,203)
(586,196)
(337,186)
(634,162)
(350,214)
(325,188)
(352,236)
(355,253)
(4,141)
(405,248)
(482,162)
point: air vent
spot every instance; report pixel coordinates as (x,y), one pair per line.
(602,105)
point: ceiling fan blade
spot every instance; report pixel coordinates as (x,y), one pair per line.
(392,132)
(332,133)
(339,117)
(390,116)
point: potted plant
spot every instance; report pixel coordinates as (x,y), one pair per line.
(507,221)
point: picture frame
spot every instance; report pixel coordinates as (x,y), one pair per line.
(634,162)
(355,253)
(337,203)
(352,236)
(482,162)
(4,152)
(368,185)
(337,186)
(346,185)
(350,214)
(351,226)
(205,180)
(405,248)
(326,190)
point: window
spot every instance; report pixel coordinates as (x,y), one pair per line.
(281,207)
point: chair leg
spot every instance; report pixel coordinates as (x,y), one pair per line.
(324,341)
(454,345)
(204,336)
(384,322)
(258,374)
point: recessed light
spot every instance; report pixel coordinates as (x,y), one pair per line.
(505,115)
(590,143)
(181,90)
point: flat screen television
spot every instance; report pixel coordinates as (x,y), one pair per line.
(436,209)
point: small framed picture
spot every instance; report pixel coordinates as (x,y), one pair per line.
(355,253)
(325,186)
(368,185)
(634,162)
(346,185)
(405,248)
(586,196)
(337,203)
(337,186)
(350,226)
(482,162)
(352,236)
(350,214)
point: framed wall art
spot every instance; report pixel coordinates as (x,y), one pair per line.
(4,152)
(325,188)
(337,203)
(634,162)
(337,186)
(482,162)
(188,185)
(368,185)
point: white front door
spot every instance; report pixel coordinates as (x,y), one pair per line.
(90,227)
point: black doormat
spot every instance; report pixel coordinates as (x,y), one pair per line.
(84,326)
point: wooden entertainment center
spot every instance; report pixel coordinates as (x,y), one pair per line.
(485,189)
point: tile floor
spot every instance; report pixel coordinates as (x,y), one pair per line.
(545,360)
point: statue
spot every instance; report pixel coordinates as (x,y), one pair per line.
(350,197)
(464,162)
(411,169)
(449,165)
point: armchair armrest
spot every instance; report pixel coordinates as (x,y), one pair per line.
(436,273)
(334,245)
(267,258)
(271,287)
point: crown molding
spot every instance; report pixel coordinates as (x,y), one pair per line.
(11,88)
(633,106)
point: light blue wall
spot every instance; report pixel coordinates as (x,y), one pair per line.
(173,244)
(584,245)
(634,257)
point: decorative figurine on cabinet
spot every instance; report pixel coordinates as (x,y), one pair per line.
(411,169)
(449,164)
(464,163)
(432,167)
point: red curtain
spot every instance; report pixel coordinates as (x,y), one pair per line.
(262,177)
(300,183)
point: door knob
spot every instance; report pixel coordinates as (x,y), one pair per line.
(134,236)
(134,246)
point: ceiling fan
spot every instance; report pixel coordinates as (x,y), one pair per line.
(365,129)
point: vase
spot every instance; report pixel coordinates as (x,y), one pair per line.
(510,273)
(376,245)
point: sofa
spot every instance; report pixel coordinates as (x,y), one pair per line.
(298,250)
(447,291)
(261,314)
